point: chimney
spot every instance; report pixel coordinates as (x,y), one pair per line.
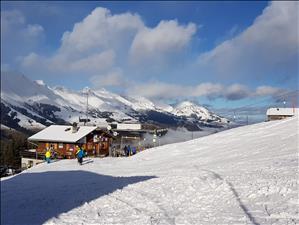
(74,127)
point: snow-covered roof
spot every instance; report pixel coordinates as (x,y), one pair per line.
(59,133)
(128,126)
(281,111)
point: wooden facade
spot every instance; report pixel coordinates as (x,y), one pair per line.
(278,117)
(97,143)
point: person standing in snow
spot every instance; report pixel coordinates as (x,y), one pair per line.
(48,156)
(126,150)
(129,151)
(80,155)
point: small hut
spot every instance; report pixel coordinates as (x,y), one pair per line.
(280,113)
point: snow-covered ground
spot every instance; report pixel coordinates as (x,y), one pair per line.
(246,175)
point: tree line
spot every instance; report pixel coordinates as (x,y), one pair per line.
(12,143)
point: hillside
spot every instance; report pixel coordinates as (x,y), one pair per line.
(246,175)
(27,104)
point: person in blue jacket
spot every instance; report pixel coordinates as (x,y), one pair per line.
(129,150)
(80,154)
(134,150)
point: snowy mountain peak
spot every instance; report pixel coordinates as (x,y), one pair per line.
(188,108)
(60,88)
(41,103)
(40,82)
(185,104)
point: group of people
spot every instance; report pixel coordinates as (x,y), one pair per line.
(128,150)
(80,154)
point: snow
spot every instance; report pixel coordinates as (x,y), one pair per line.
(60,133)
(3,127)
(141,103)
(282,111)
(77,100)
(246,175)
(128,126)
(163,106)
(25,121)
(40,82)
(187,108)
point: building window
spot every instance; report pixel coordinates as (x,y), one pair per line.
(60,145)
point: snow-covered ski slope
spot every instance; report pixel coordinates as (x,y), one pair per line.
(246,175)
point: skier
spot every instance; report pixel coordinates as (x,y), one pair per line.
(126,150)
(48,155)
(80,155)
(134,150)
(129,151)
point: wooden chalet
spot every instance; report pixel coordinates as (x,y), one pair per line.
(64,139)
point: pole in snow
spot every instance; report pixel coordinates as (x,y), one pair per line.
(234,116)
(87,104)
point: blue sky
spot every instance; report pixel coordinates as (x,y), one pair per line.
(224,54)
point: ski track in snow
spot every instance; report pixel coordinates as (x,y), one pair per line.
(246,175)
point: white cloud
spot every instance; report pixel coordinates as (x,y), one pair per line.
(93,63)
(267,90)
(162,90)
(114,78)
(166,37)
(30,59)
(34,29)
(91,47)
(60,63)
(269,46)
(209,90)
(102,42)
(159,90)
(100,30)
(236,92)
(18,38)
(14,26)
(11,18)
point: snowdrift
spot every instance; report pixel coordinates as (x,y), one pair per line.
(246,175)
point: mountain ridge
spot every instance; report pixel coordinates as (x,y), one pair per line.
(36,105)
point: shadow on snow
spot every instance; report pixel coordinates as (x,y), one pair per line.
(34,198)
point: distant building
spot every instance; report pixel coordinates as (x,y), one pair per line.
(128,126)
(63,140)
(30,158)
(280,113)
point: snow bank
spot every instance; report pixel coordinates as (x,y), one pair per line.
(246,175)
